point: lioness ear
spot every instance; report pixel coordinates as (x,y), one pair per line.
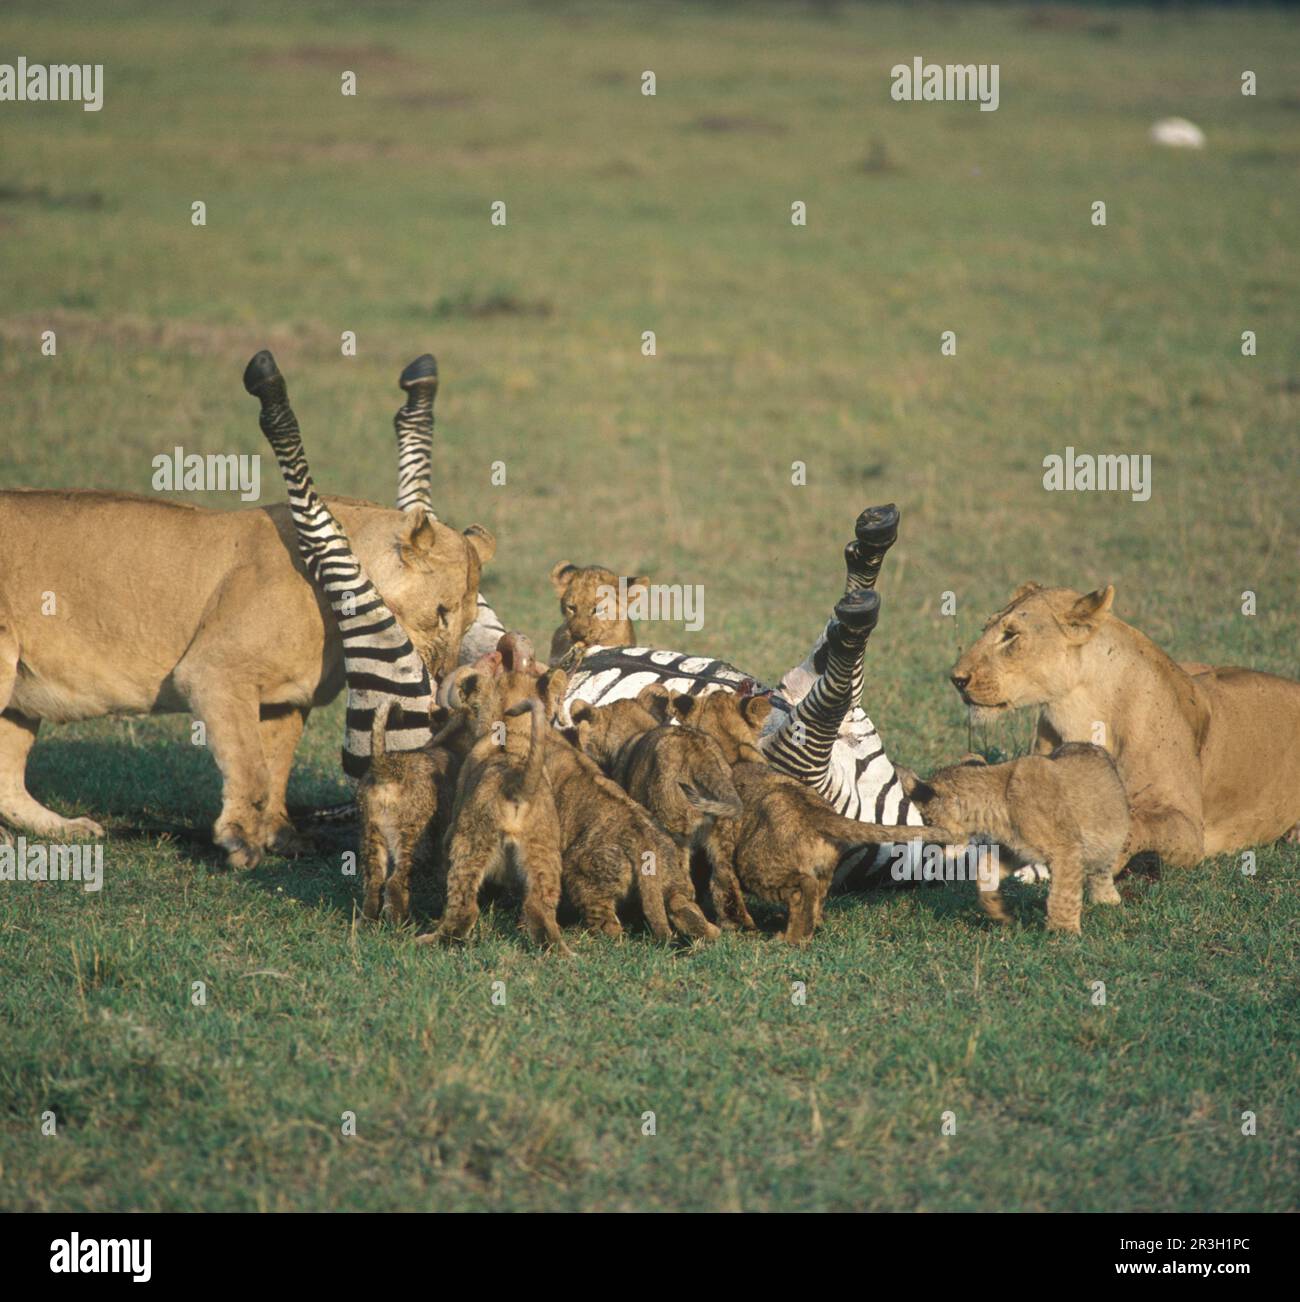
(483,543)
(682,706)
(561,573)
(418,538)
(468,687)
(973,760)
(755,710)
(1024,590)
(1087,613)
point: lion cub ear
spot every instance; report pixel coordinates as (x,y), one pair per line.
(654,699)
(482,541)
(1087,613)
(639,581)
(551,687)
(561,574)
(682,707)
(582,712)
(755,710)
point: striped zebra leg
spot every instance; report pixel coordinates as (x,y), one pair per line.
(877,531)
(802,745)
(379,661)
(414,427)
(413,424)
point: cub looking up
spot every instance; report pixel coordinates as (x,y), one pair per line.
(1067,809)
(591,609)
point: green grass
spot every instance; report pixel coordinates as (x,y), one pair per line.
(775,344)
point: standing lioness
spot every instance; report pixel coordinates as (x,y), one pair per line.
(116,604)
(1210,758)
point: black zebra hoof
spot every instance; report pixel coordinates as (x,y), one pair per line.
(260,372)
(877,527)
(422,371)
(856,613)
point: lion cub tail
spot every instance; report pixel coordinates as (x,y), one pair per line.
(846,832)
(379,730)
(721,802)
(534,765)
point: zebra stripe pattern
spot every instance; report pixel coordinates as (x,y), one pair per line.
(834,747)
(380,664)
(413,424)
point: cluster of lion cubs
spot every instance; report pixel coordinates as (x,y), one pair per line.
(610,809)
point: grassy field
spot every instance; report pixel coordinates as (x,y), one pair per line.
(775,343)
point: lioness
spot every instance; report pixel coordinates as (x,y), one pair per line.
(1210,757)
(116,604)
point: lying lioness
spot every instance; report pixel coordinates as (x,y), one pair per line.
(117,604)
(1210,757)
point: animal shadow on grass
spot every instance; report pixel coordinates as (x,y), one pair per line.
(152,794)
(138,792)
(958,903)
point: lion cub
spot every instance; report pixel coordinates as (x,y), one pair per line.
(786,845)
(503,822)
(592,609)
(1067,809)
(399,801)
(613,849)
(675,771)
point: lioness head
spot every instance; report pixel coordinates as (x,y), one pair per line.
(1030,651)
(428,575)
(593,603)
